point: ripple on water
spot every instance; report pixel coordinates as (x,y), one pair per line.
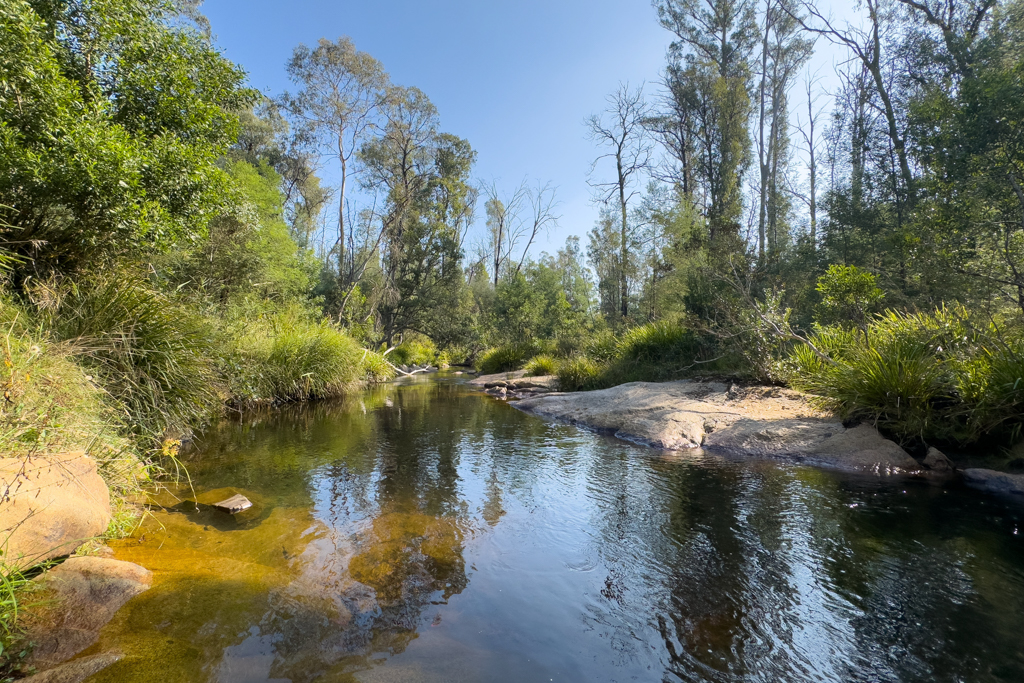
(425,533)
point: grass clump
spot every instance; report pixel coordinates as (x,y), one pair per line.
(920,378)
(505,358)
(579,373)
(540,366)
(288,357)
(417,350)
(152,357)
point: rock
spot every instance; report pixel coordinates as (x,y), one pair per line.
(50,505)
(862,448)
(937,461)
(994,482)
(76,670)
(483,380)
(496,385)
(235,503)
(82,595)
(774,423)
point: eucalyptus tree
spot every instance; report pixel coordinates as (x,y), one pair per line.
(709,77)
(336,110)
(783,51)
(426,211)
(622,130)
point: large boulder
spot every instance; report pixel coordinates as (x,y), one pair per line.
(76,670)
(994,482)
(49,506)
(80,597)
(766,422)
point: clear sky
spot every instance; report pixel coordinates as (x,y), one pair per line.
(517,79)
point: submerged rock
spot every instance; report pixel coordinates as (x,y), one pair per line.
(756,421)
(994,482)
(81,596)
(235,503)
(49,506)
(76,670)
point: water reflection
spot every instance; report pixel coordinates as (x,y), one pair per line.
(422,533)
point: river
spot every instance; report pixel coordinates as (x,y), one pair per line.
(421,531)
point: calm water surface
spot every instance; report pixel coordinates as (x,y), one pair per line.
(423,532)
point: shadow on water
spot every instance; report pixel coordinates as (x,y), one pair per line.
(422,532)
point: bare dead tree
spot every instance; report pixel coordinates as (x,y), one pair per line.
(632,149)
(515,222)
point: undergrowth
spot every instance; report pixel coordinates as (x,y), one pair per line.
(919,377)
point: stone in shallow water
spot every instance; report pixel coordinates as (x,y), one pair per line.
(76,670)
(235,503)
(82,595)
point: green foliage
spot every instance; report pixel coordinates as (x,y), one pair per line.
(919,377)
(505,358)
(540,366)
(848,295)
(579,373)
(289,357)
(112,120)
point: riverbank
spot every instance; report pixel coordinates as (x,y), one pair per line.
(746,422)
(765,422)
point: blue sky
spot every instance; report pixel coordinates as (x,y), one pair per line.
(517,79)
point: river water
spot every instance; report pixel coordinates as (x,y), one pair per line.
(424,532)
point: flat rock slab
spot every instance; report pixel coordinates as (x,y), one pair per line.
(766,422)
(994,482)
(49,506)
(77,670)
(81,596)
(235,503)
(503,377)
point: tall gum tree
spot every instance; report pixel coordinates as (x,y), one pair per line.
(337,108)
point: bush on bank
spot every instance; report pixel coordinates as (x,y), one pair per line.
(920,377)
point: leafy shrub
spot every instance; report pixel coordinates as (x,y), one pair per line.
(848,295)
(540,366)
(578,373)
(505,358)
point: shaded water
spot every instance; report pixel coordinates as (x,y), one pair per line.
(422,532)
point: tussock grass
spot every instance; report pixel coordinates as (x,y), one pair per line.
(579,373)
(505,358)
(288,357)
(541,365)
(152,357)
(921,377)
